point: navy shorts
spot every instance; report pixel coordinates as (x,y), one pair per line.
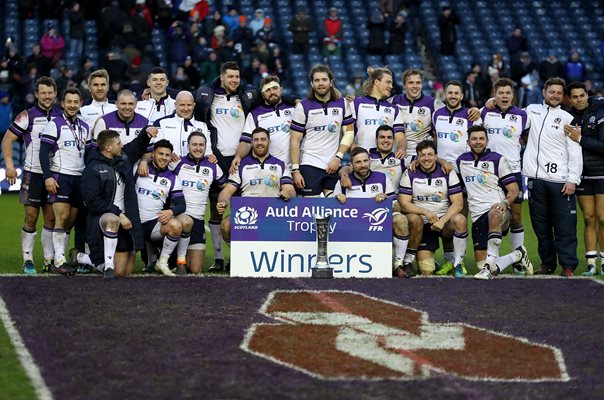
(33,190)
(520,198)
(590,187)
(125,244)
(215,189)
(480,230)
(429,239)
(68,190)
(198,233)
(149,227)
(316,180)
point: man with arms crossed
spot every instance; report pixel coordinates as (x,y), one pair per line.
(28,125)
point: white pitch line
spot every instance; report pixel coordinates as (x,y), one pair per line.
(31,369)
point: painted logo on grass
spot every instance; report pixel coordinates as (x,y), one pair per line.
(348,335)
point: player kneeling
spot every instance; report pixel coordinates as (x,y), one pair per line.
(432,201)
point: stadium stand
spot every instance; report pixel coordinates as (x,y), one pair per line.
(483,30)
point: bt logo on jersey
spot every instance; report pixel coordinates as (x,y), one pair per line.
(507,131)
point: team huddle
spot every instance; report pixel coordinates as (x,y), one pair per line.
(138,175)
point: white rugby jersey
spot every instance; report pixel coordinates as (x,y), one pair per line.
(430,190)
(177,130)
(155,109)
(69,141)
(28,125)
(321,125)
(128,130)
(417,118)
(389,165)
(550,154)
(277,121)
(504,130)
(452,133)
(196,178)
(375,183)
(153,191)
(226,115)
(484,179)
(370,113)
(89,113)
(261,179)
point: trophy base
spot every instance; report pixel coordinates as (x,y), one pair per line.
(322,273)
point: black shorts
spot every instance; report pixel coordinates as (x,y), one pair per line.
(198,233)
(316,180)
(480,231)
(519,179)
(68,190)
(33,190)
(215,189)
(125,244)
(429,239)
(590,187)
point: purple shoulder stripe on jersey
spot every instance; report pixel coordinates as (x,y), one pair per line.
(246,137)
(16,130)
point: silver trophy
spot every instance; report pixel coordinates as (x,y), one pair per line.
(322,269)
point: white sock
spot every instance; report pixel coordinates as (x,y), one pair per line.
(47,246)
(493,247)
(181,248)
(109,246)
(28,238)
(168,247)
(460,243)
(84,258)
(58,242)
(216,240)
(409,256)
(400,245)
(505,261)
(517,237)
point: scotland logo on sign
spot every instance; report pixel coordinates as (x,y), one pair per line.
(246,216)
